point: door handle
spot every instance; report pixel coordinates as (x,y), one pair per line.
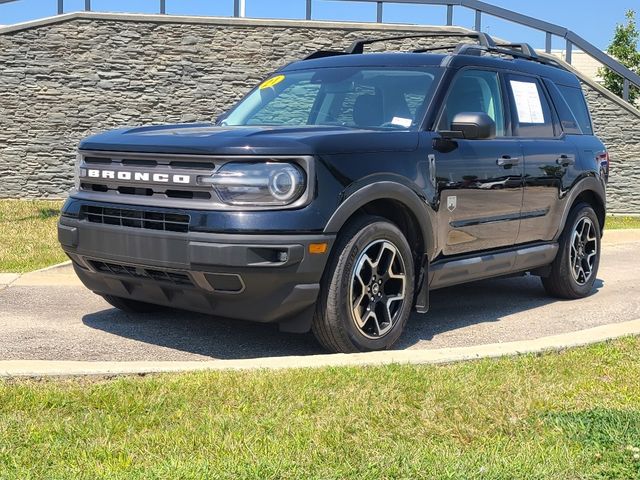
(507,161)
(565,160)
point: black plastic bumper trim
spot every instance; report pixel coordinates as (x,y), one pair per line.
(68,236)
(264,278)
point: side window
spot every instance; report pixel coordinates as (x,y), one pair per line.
(378,98)
(568,120)
(575,99)
(474,91)
(531,111)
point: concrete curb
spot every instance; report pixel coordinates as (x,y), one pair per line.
(58,275)
(41,368)
(621,236)
(50,268)
(7,279)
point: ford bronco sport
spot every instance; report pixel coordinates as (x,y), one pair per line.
(344,188)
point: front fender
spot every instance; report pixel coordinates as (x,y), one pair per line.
(386,190)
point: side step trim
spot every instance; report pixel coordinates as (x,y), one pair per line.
(452,272)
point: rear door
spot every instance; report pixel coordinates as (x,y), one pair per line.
(549,156)
(480,182)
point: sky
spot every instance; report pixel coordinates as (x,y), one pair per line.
(594,20)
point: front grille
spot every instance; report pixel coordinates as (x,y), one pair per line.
(168,222)
(132,175)
(121,270)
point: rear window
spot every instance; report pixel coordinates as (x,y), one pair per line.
(575,99)
(568,120)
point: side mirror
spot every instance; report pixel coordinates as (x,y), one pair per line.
(472,126)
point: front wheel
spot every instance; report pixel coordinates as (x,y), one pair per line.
(367,289)
(574,271)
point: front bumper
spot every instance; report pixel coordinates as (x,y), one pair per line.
(264,278)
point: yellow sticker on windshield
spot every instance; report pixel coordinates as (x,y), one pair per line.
(272,82)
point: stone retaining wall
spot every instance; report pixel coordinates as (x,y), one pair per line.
(619,129)
(63,79)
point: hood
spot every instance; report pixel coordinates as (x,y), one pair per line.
(209,139)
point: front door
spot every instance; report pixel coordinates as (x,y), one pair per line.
(479,183)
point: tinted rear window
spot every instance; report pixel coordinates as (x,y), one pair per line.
(575,99)
(567,118)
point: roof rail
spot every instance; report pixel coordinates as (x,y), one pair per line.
(525,48)
(483,39)
(324,53)
(485,44)
(515,50)
(358,46)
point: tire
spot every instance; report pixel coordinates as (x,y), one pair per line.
(130,306)
(365,248)
(575,269)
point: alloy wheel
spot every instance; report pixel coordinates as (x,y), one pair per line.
(583,250)
(377,289)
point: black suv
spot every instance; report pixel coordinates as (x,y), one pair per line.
(343,188)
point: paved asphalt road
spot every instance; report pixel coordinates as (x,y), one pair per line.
(53,318)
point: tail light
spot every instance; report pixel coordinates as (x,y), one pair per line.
(603,160)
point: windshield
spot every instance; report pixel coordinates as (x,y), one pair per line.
(357,97)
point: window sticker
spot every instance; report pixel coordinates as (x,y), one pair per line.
(403,122)
(272,82)
(528,102)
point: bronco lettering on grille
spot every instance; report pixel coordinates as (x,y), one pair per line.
(128,176)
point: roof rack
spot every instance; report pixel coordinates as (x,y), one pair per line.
(358,46)
(485,44)
(324,53)
(515,50)
(483,39)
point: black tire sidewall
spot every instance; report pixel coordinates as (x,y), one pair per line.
(581,211)
(376,229)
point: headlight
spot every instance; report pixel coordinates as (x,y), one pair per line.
(259,184)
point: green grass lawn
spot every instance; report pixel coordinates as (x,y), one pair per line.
(28,238)
(616,222)
(573,415)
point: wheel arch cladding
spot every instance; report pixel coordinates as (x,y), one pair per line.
(397,203)
(593,199)
(589,190)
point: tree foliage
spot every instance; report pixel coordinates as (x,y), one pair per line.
(624,48)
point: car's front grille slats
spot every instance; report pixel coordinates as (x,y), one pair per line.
(162,176)
(150,220)
(131,271)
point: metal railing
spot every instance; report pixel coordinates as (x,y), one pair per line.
(480,8)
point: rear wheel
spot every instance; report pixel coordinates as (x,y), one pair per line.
(574,271)
(367,290)
(131,306)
